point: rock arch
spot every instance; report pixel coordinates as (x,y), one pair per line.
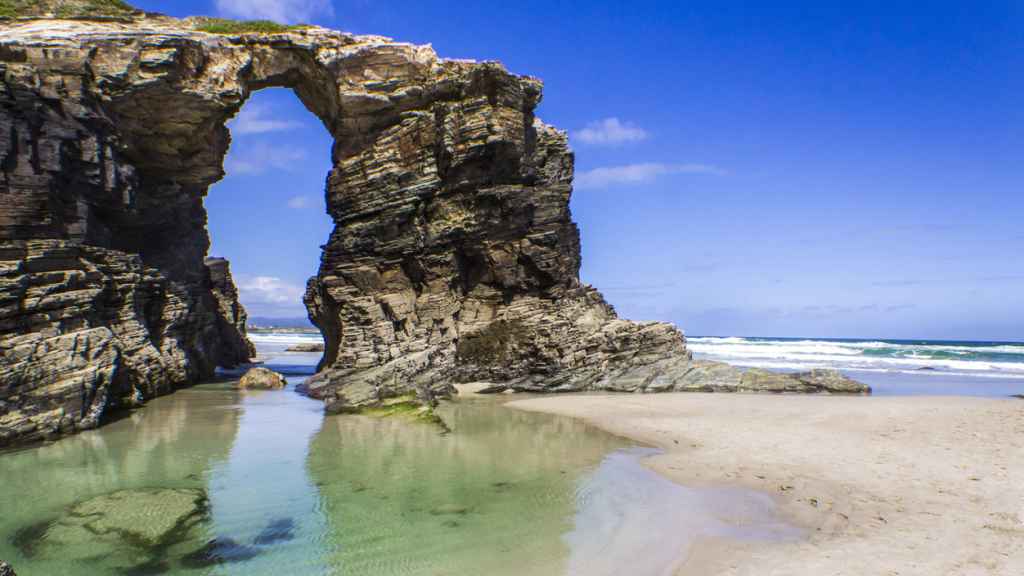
(454,256)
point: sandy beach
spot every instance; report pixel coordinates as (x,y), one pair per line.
(902,486)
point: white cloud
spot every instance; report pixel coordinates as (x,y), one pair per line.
(637,173)
(260,157)
(256,119)
(288,11)
(270,296)
(610,131)
(299,202)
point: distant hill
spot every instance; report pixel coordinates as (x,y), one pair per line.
(256,322)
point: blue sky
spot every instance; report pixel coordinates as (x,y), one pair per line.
(777,168)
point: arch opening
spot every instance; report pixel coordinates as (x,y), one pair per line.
(268,216)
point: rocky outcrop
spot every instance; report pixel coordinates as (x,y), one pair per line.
(305,348)
(236,348)
(262,379)
(6,570)
(672,375)
(453,257)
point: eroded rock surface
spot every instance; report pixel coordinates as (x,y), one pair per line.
(453,258)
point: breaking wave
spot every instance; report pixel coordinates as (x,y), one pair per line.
(984,359)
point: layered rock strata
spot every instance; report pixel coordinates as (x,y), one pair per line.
(453,256)
(232,318)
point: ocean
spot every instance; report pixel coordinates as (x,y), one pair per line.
(889,366)
(900,367)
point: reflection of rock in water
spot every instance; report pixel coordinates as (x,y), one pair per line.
(280,530)
(133,528)
(493,497)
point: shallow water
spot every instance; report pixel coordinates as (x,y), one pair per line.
(213,481)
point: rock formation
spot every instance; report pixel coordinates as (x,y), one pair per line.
(235,347)
(453,257)
(6,570)
(262,379)
(305,348)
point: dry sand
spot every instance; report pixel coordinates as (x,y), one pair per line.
(929,486)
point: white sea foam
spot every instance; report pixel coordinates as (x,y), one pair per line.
(284,338)
(988,360)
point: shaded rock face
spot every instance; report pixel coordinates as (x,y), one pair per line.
(236,348)
(262,379)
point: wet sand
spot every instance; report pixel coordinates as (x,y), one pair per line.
(884,485)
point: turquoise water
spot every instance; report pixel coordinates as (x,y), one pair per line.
(215,481)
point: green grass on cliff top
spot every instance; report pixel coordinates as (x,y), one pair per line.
(64,8)
(87,8)
(225,26)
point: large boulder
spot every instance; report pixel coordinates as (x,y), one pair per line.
(262,379)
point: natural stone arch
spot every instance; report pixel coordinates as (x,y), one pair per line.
(454,256)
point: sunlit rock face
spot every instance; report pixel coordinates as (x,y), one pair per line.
(453,255)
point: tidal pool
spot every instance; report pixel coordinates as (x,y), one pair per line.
(211,480)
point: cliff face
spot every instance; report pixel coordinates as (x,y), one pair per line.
(453,255)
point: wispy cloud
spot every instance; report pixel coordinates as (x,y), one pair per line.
(898,283)
(278,10)
(610,131)
(299,202)
(1003,278)
(270,295)
(260,157)
(257,119)
(638,173)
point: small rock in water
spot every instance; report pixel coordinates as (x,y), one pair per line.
(6,570)
(305,348)
(220,550)
(262,379)
(280,530)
